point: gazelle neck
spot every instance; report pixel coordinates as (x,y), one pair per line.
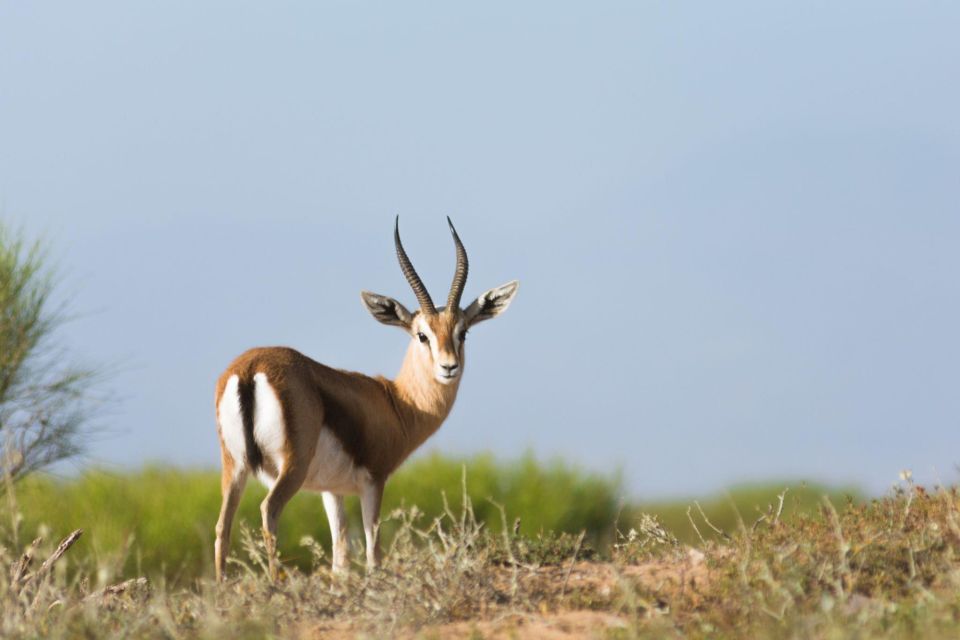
(423,402)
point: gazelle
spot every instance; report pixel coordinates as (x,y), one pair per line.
(296,423)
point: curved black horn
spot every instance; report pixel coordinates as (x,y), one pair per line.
(426,304)
(460,276)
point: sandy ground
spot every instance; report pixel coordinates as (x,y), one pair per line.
(575,601)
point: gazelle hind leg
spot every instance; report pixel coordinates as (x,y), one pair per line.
(287,484)
(337,517)
(232,483)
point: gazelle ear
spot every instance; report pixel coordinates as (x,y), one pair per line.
(386,310)
(491,303)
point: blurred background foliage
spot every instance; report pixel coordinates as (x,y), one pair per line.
(158,521)
(46,399)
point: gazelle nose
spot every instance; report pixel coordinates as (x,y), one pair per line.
(449,368)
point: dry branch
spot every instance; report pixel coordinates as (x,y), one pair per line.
(117,589)
(56,555)
(21,566)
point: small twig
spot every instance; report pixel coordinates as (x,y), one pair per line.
(773,614)
(7,466)
(741,525)
(716,529)
(906,508)
(21,566)
(117,589)
(843,546)
(57,554)
(514,577)
(465,504)
(756,524)
(446,508)
(781,497)
(573,561)
(695,527)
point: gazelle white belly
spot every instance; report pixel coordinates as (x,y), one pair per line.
(332,469)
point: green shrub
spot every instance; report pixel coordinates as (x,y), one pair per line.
(159,520)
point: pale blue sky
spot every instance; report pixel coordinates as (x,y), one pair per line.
(735,224)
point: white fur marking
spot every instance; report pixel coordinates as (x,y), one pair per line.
(332,469)
(231,425)
(431,338)
(265,478)
(268,427)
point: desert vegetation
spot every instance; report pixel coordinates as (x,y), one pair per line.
(477,554)
(158,522)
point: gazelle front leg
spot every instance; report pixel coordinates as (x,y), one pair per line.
(370,497)
(337,517)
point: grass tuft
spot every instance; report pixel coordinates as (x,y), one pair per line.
(886,568)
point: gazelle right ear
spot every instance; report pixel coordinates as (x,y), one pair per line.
(386,310)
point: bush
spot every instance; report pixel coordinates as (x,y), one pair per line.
(43,398)
(161,518)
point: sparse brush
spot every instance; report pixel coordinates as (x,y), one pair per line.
(170,513)
(883,569)
(645,540)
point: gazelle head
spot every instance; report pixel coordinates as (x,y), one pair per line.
(438,335)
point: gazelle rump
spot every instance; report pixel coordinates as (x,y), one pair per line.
(296,423)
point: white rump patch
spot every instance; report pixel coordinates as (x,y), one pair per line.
(332,469)
(231,424)
(268,427)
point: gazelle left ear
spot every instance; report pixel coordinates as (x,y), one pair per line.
(387,310)
(491,303)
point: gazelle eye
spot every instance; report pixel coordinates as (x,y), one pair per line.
(463,336)
(422,337)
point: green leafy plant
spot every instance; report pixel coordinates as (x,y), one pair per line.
(45,399)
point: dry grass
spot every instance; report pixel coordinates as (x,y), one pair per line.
(885,569)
